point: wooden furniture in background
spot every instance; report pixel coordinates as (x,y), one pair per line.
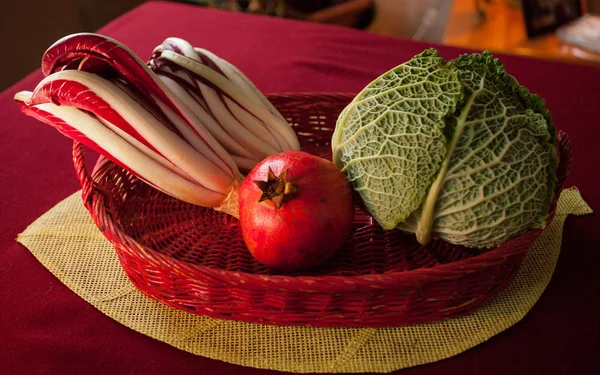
(344,14)
(341,12)
(503,30)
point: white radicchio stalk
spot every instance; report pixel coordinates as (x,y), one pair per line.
(98,92)
(224,100)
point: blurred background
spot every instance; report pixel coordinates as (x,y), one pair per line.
(551,29)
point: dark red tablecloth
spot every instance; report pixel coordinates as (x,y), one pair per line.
(46,328)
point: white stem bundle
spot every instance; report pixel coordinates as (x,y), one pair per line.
(224,100)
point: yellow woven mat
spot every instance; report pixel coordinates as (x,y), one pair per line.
(66,241)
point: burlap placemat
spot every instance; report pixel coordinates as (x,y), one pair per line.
(66,241)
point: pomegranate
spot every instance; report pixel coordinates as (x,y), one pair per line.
(296,210)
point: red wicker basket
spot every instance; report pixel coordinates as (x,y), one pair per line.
(194,259)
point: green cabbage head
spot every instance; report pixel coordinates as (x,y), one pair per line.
(456,150)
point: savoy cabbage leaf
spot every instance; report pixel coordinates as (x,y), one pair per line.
(456,150)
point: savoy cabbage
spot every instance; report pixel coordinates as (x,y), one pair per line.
(456,150)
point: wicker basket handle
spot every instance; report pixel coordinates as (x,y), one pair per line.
(85,178)
(566,157)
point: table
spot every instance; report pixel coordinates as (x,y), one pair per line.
(46,328)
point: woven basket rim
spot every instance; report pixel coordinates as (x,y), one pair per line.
(387,277)
(494,255)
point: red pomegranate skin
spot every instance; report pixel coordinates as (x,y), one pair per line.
(310,225)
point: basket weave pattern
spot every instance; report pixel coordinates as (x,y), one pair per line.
(194,258)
